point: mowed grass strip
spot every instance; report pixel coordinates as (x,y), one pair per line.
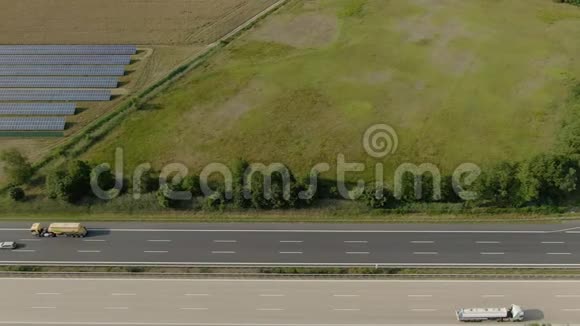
(460,81)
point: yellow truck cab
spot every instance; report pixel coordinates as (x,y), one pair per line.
(59,229)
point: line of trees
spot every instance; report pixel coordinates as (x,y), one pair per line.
(546,179)
(572,2)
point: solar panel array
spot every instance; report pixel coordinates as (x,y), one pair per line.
(37,108)
(55,94)
(58,82)
(65,59)
(67,49)
(69,70)
(32,124)
(56,75)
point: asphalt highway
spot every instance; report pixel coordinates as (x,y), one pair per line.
(302,244)
(275,302)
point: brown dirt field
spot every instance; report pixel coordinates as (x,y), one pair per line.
(168,33)
(146,22)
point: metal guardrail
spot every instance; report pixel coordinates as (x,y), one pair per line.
(145,275)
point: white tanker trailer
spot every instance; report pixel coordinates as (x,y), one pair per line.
(513,313)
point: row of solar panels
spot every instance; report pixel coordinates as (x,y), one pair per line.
(37,108)
(72,70)
(65,59)
(58,82)
(67,49)
(55,95)
(32,124)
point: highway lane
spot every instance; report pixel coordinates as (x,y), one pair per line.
(275,302)
(304,244)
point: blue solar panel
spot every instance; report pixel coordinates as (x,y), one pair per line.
(58,82)
(67,49)
(55,95)
(69,70)
(37,108)
(32,124)
(65,59)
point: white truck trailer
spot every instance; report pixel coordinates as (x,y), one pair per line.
(513,313)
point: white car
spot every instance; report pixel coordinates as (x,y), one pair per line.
(7,245)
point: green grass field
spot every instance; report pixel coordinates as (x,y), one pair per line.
(460,81)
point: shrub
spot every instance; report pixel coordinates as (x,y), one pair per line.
(70,184)
(377,196)
(16,194)
(500,185)
(16,166)
(548,179)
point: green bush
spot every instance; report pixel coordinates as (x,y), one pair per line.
(377,196)
(70,184)
(16,194)
(16,166)
(548,179)
(500,185)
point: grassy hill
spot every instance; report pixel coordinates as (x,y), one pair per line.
(460,81)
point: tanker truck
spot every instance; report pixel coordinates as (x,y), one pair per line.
(513,313)
(75,230)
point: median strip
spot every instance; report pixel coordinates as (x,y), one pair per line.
(48,293)
(43,307)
